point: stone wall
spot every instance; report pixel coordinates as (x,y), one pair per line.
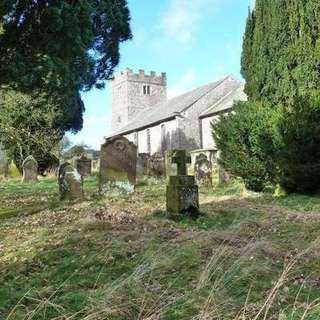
(128,97)
(189,122)
(161,138)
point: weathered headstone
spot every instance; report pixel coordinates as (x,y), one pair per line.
(30,169)
(95,165)
(118,164)
(203,170)
(142,164)
(156,165)
(170,168)
(83,165)
(224,176)
(182,192)
(69,180)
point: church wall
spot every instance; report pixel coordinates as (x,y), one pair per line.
(137,101)
(163,136)
(119,103)
(130,137)
(142,141)
(189,123)
(129,96)
(207,139)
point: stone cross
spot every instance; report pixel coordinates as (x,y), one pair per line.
(182,193)
(181,158)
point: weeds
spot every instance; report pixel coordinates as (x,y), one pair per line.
(249,257)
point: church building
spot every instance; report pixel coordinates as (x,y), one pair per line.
(142,113)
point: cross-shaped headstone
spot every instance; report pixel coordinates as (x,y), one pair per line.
(181,158)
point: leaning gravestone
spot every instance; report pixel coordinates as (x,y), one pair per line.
(203,170)
(118,164)
(69,181)
(182,192)
(30,169)
(83,165)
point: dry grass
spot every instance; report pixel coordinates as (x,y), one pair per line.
(249,257)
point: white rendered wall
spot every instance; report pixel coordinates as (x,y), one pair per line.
(207,139)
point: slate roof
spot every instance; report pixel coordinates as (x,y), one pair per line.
(171,108)
(226,102)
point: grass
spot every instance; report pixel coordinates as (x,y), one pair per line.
(249,256)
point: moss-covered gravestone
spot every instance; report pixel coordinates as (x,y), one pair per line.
(182,192)
(170,168)
(69,180)
(203,170)
(83,165)
(118,164)
(30,169)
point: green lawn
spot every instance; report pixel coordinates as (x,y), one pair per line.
(248,256)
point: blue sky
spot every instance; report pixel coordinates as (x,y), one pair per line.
(194,41)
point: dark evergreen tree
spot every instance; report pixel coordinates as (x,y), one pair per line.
(281,56)
(56,49)
(281,65)
(61,47)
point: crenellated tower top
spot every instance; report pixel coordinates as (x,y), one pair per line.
(133,92)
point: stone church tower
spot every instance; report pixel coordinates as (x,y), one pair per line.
(132,93)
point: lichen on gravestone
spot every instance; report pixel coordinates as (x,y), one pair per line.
(182,193)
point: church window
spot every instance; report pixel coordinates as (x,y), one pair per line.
(146,90)
(148,141)
(119,119)
(136,138)
(163,138)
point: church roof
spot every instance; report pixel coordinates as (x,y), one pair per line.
(226,102)
(169,109)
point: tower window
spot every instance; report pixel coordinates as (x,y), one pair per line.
(146,90)
(119,119)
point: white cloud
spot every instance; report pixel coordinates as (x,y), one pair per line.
(185,83)
(181,18)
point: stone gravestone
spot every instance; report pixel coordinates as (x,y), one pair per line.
(142,164)
(118,164)
(170,168)
(30,169)
(69,181)
(156,165)
(203,170)
(95,165)
(83,165)
(224,176)
(182,192)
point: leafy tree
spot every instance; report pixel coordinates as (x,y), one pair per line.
(55,50)
(61,45)
(29,126)
(299,157)
(247,140)
(278,142)
(281,50)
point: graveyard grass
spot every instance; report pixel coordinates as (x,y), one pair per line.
(249,256)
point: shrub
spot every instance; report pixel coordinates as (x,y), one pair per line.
(247,141)
(299,157)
